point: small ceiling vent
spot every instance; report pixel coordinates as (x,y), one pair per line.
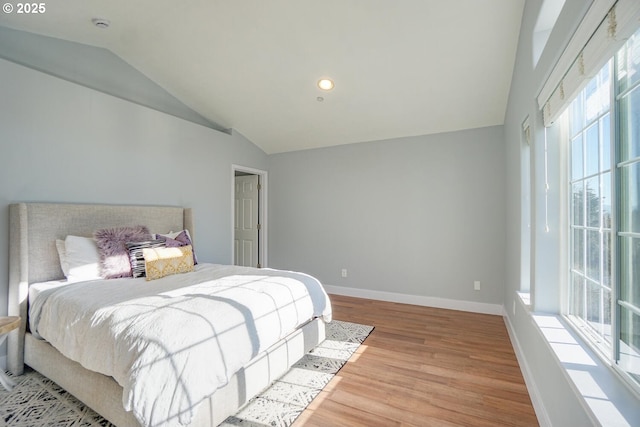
(101,23)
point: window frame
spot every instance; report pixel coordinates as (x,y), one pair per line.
(620,164)
(596,339)
(610,353)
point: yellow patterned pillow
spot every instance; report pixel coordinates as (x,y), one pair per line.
(161,262)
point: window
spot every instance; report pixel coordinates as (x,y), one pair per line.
(590,286)
(604,216)
(628,185)
(547,16)
(525,213)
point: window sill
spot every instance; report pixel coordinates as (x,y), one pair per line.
(604,393)
(525,299)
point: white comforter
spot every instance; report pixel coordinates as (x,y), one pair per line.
(172,342)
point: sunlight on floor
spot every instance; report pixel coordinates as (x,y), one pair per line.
(317,401)
(327,391)
(357,354)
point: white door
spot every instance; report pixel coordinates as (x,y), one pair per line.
(246,227)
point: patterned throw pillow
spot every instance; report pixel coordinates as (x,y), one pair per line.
(161,262)
(136,257)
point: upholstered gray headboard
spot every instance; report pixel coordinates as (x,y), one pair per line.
(33,230)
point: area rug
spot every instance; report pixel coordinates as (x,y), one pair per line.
(38,401)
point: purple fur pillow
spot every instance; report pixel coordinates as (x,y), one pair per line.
(112,246)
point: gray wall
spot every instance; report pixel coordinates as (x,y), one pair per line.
(66,143)
(93,67)
(419,216)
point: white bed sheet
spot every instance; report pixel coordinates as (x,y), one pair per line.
(172,342)
(37,295)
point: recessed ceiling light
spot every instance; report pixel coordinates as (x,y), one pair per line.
(325,84)
(101,23)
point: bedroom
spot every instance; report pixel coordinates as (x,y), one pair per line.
(64,142)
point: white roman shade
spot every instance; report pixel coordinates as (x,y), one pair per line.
(604,29)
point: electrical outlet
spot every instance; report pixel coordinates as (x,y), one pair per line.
(476,285)
(344,272)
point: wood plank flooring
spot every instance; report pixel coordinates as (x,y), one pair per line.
(423,366)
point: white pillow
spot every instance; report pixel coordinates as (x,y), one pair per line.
(83,258)
(62,254)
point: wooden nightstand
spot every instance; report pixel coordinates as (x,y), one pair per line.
(7,324)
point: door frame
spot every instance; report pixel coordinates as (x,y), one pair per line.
(262,211)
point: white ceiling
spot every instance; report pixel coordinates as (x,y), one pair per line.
(401,68)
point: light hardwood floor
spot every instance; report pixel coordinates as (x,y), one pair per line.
(424,366)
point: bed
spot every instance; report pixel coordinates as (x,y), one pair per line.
(34,259)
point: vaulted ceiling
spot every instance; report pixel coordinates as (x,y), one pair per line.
(401,68)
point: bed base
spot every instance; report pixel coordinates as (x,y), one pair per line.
(104,395)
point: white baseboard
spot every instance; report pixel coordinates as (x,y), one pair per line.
(532,388)
(451,304)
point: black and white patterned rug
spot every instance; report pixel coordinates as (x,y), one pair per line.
(38,401)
